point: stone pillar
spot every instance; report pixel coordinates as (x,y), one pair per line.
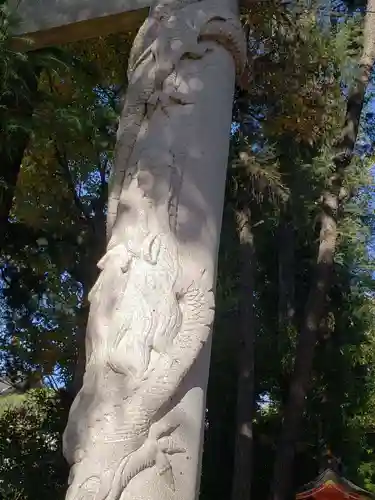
(135,429)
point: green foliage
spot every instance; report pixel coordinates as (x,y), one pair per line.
(289,114)
(10,401)
(31,463)
(57,231)
(12,84)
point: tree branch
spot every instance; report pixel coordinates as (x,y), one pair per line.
(102,167)
(63,162)
(4,277)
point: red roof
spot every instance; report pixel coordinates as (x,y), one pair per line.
(331,486)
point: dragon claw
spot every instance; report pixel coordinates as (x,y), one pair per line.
(168,445)
(164,469)
(162,429)
(165,445)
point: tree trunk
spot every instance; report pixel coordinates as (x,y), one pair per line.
(286,244)
(87,274)
(315,306)
(12,147)
(80,360)
(135,429)
(241,489)
(295,405)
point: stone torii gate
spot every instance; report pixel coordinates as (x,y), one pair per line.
(135,429)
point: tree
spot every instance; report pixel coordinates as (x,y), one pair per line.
(32,465)
(332,199)
(294,109)
(57,233)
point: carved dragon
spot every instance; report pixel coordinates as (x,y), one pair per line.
(157,329)
(173,30)
(175,325)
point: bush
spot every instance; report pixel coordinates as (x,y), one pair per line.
(31,461)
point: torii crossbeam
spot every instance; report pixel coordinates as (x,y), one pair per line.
(135,429)
(54,22)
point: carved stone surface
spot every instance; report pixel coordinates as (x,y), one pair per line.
(135,429)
